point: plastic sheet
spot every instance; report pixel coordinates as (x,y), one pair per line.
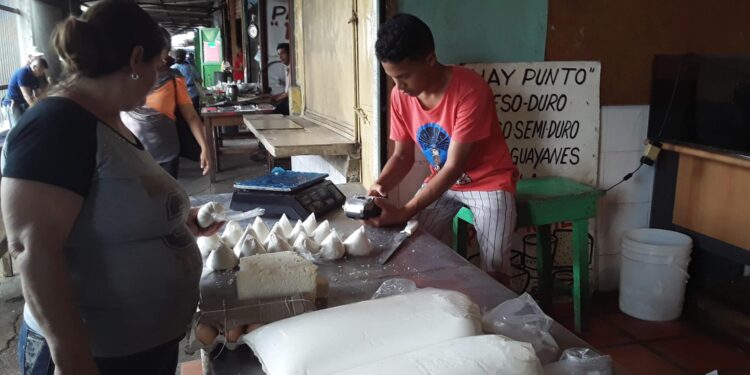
(580,361)
(238,216)
(392,287)
(523,320)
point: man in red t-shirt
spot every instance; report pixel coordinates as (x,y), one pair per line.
(449,112)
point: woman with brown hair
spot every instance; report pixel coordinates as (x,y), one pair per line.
(104,238)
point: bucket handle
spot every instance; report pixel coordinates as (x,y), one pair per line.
(669,262)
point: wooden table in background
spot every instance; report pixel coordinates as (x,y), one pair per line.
(213,121)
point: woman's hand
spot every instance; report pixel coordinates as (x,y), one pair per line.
(205,166)
(192,223)
(389,215)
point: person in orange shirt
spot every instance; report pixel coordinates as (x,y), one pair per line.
(154,122)
(238,67)
(449,112)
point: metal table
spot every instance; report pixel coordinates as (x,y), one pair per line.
(422,258)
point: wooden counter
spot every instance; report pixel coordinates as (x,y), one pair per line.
(711,194)
(290,136)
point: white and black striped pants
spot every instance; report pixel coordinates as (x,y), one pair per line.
(494,221)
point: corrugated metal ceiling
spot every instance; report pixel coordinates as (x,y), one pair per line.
(179,15)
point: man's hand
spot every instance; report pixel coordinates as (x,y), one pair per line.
(195,229)
(205,166)
(390,214)
(377,190)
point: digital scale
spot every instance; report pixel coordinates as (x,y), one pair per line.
(295,194)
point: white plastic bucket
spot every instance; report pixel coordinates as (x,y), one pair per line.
(653,273)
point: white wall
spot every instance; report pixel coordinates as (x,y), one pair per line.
(628,206)
(333,165)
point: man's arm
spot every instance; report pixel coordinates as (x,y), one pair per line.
(39,218)
(196,77)
(396,168)
(28,94)
(280,96)
(196,127)
(455,166)
(458,155)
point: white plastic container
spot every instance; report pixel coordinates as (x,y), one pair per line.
(654,273)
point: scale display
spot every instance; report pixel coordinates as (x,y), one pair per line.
(296,194)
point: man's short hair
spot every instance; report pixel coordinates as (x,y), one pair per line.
(41,61)
(180,55)
(403,37)
(284,46)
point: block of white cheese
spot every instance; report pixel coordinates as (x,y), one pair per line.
(344,337)
(272,275)
(473,355)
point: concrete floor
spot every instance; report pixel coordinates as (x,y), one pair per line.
(236,167)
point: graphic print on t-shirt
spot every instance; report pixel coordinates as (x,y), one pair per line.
(434,142)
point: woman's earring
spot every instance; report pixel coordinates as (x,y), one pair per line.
(134,76)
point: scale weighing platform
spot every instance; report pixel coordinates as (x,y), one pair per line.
(296,194)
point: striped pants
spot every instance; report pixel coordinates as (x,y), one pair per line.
(494,221)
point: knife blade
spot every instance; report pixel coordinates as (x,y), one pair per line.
(397,240)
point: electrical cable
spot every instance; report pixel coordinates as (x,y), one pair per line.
(671,99)
(625,178)
(661,128)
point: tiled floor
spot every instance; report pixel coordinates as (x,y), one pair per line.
(641,347)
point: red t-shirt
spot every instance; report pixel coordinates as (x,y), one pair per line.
(466,114)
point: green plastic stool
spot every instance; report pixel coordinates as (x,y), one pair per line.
(541,202)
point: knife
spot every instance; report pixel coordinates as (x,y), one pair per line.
(397,240)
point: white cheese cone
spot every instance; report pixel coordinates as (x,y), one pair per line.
(222,259)
(261,229)
(275,244)
(251,233)
(303,243)
(302,235)
(321,232)
(232,233)
(248,246)
(310,223)
(298,228)
(331,247)
(207,243)
(286,226)
(357,243)
(279,231)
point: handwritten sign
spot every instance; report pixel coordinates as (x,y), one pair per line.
(277,14)
(549,114)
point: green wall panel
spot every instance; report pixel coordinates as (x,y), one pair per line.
(474,31)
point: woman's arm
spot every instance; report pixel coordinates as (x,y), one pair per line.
(196,127)
(38,219)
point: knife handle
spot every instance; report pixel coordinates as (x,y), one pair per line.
(411,227)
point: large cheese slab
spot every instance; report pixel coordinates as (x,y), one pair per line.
(282,274)
(343,337)
(473,355)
